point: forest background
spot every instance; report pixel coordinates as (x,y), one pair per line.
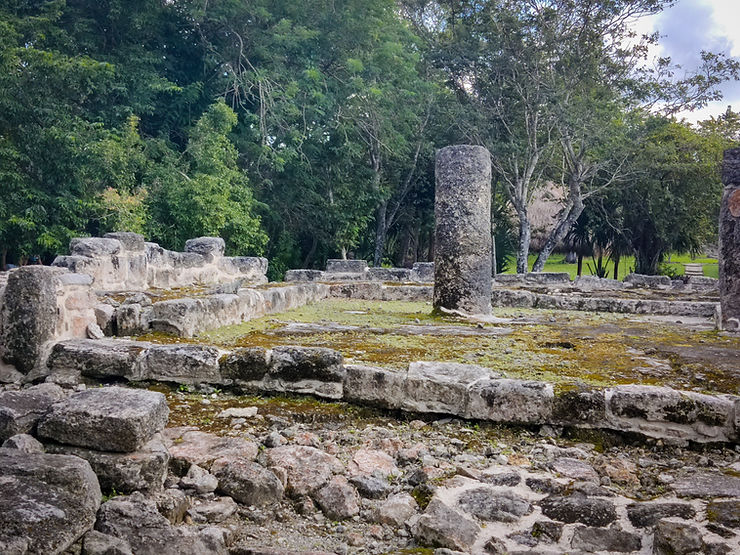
(303,130)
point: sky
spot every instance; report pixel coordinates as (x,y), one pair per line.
(691,26)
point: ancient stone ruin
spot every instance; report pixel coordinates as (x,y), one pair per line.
(162,402)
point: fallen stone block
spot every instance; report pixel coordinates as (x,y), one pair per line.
(493,505)
(443,526)
(144,469)
(440,387)
(187,364)
(97,543)
(676,538)
(24,443)
(338,499)
(374,386)
(505,400)
(389,274)
(188,446)
(21,410)
(247,482)
(214,511)
(47,502)
(214,246)
(130,241)
(612,540)
(99,358)
(109,418)
(579,508)
(643,515)
(307,468)
(707,484)
(136,519)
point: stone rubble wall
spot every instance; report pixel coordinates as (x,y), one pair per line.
(125,262)
(357,270)
(467,391)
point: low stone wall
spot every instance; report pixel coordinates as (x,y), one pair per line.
(190,316)
(520,298)
(462,390)
(357,270)
(124,262)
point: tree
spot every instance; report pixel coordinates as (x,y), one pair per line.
(212,195)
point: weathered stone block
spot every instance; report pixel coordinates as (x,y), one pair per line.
(641,280)
(23,442)
(307,468)
(440,387)
(182,364)
(246,365)
(47,502)
(612,540)
(132,242)
(505,400)
(94,247)
(338,266)
(21,410)
(422,272)
(643,515)
(144,469)
(109,418)
(729,242)
(303,275)
(30,314)
(375,386)
(579,406)
(443,526)
(462,212)
(214,246)
(136,519)
(247,482)
(313,370)
(99,358)
(188,446)
(389,274)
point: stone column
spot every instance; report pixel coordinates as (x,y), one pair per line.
(729,242)
(462,211)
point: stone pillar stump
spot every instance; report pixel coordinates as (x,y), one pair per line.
(462,211)
(729,242)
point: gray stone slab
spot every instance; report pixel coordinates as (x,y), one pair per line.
(21,410)
(109,418)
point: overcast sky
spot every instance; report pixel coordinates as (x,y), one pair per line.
(691,26)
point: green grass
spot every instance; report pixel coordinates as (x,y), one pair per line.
(556,263)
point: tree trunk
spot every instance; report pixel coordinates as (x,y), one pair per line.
(380,233)
(580,264)
(311,253)
(525,235)
(343,253)
(3,259)
(616,265)
(493,253)
(574,210)
(647,263)
(571,257)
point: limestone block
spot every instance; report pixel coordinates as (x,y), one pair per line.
(94,247)
(548,278)
(132,319)
(303,275)
(505,400)
(462,212)
(641,280)
(247,482)
(338,266)
(248,365)
(109,418)
(47,502)
(375,386)
(389,274)
(312,370)
(99,358)
(132,242)
(21,410)
(144,469)
(188,446)
(579,406)
(135,518)
(207,246)
(181,363)
(423,272)
(593,283)
(105,316)
(440,387)
(30,314)
(23,442)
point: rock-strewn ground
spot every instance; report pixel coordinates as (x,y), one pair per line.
(360,481)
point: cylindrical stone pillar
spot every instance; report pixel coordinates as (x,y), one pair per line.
(729,241)
(462,211)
